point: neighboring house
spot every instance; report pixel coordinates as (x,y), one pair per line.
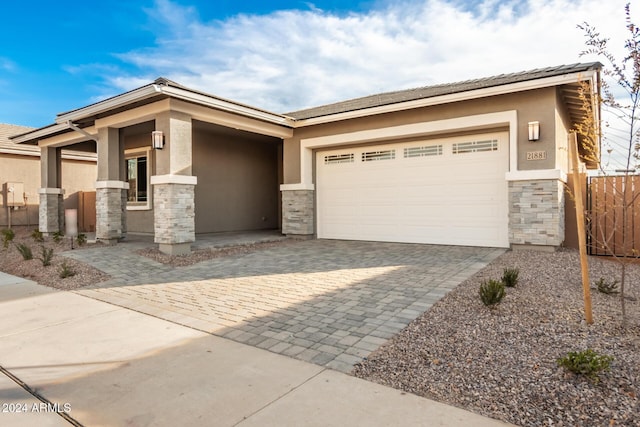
(447,164)
(20,178)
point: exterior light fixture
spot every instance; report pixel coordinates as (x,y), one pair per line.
(534,131)
(157,139)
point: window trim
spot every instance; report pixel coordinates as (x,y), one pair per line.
(135,153)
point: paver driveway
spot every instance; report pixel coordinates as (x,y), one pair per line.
(323,301)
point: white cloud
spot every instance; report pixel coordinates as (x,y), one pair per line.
(7,65)
(294,59)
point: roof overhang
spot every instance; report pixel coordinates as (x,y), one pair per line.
(101,112)
(565,79)
(65,154)
(87,116)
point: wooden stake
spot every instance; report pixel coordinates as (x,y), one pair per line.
(582,236)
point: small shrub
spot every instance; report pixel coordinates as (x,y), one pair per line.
(491,292)
(37,236)
(607,287)
(588,363)
(25,251)
(7,237)
(57,236)
(47,256)
(66,270)
(510,277)
(81,239)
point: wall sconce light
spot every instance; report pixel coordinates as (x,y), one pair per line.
(534,131)
(157,139)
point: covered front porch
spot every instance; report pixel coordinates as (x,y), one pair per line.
(170,162)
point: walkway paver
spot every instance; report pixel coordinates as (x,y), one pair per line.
(327,302)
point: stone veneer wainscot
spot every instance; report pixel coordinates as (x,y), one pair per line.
(536,212)
(297,212)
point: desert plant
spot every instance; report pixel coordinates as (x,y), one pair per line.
(607,287)
(25,251)
(47,256)
(81,239)
(587,362)
(7,237)
(37,236)
(491,292)
(510,277)
(66,270)
(57,236)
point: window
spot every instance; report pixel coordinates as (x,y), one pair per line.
(338,158)
(427,150)
(475,146)
(138,172)
(372,156)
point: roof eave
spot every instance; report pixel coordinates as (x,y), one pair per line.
(453,97)
(109,104)
(228,106)
(146,92)
(40,133)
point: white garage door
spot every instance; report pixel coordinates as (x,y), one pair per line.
(439,191)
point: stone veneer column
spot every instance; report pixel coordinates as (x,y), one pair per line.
(51,210)
(111,205)
(174,213)
(536,212)
(111,187)
(297,212)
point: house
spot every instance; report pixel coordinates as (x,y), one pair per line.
(480,163)
(20,178)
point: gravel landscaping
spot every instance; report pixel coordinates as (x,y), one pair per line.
(502,362)
(499,362)
(12,262)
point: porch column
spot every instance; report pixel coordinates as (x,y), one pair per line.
(174,186)
(51,209)
(111,188)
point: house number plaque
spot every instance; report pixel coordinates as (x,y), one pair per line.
(536,155)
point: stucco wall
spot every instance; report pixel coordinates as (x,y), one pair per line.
(140,221)
(76,176)
(535,105)
(563,127)
(237,183)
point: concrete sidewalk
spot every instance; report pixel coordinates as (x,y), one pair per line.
(110,366)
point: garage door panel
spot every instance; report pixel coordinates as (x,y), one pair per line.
(442,199)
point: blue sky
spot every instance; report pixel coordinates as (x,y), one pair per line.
(279,55)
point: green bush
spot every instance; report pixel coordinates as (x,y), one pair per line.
(66,270)
(25,251)
(47,256)
(7,237)
(510,277)
(37,236)
(57,236)
(607,287)
(81,239)
(587,362)
(491,292)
